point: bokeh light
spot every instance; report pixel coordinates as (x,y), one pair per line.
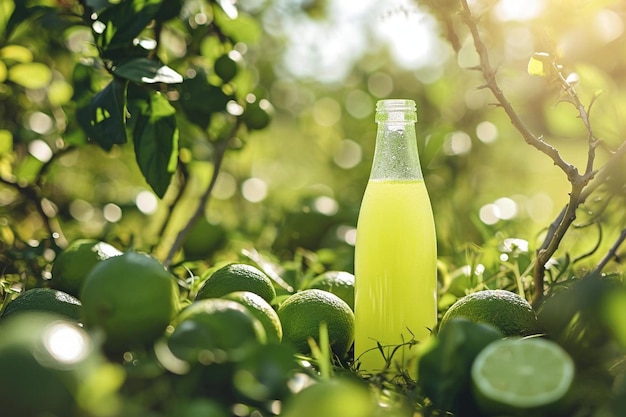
(146,202)
(254,190)
(457,143)
(40,150)
(348,154)
(66,342)
(112,212)
(225,186)
(487,132)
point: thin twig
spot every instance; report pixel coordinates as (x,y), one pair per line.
(489,74)
(184,174)
(611,254)
(583,114)
(220,150)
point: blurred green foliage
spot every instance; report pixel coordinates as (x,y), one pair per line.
(78,74)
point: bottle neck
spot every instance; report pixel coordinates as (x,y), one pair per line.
(396,156)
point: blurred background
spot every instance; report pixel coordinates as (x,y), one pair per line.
(323,64)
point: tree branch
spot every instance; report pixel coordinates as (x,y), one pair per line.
(579,182)
(489,74)
(611,254)
(184,175)
(220,150)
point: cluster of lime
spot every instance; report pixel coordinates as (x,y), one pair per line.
(490,358)
(120,317)
(114,329)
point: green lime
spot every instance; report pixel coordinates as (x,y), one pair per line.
(302,313)
(45,299)
(203,239)
(521,376)
(505,310)
(227,66)
(237,277)
(214,330)
(443,372)
(71,266)
(267,373)
(132,298)
(258,114)
(48,367)
(340,283)
(334,397)
(262,310)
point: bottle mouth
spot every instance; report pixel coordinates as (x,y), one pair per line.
(396,111)
(395,105)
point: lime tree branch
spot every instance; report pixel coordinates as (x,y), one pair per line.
(611,254)
(578,181)
(183,174)
(220,150)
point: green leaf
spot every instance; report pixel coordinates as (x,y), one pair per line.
(6,142)
(169,10)
(540,64)
(16,53)
(33,75)
(148,71)
(117,26)
(82,83)
(103,117)
(444,368)
(155,136)
(21,14)
(7,8)
(228,6)
(244,28)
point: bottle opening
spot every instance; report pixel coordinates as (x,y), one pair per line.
(396,110)
(395,105)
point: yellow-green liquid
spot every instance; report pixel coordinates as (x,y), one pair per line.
(395,272)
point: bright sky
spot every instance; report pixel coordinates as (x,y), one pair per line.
(326,49)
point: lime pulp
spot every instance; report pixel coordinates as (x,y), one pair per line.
(522,373)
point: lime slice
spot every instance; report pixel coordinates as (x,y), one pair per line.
(521,374)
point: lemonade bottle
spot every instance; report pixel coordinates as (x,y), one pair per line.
(396,249)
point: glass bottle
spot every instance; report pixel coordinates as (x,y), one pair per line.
(396,250)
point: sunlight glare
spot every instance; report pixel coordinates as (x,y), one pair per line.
(608,25)
(408,33)
(518,10)
(66,343)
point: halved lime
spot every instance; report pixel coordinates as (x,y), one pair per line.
(519,375)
